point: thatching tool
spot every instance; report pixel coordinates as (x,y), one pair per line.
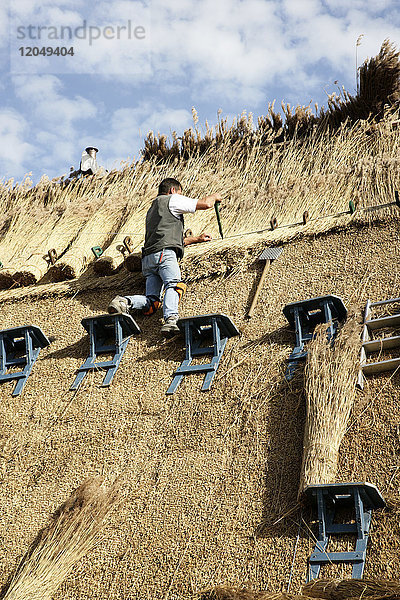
(269,254)
(304,316)
(117,330)
(352,207)
(216,206)
(52,256)
(128,244)
(121,248)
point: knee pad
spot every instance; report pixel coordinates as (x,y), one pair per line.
(180,289)
(154,306)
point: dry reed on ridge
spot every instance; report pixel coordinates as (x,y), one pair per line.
(223,592)
(74,530)
(330,384)
(342,589)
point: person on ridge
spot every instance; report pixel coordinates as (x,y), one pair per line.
(89,164)
(163,247)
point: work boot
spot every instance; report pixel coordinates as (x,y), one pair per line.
(119,305)
(170,327)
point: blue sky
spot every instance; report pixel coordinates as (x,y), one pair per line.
(230,54)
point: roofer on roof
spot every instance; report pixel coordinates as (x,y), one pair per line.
(163,247)
(89,164)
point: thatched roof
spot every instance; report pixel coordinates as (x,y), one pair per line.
(205,477)
(208,482)
(319,176)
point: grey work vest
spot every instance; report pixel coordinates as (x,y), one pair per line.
(163,230)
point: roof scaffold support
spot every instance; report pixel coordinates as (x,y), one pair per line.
(304,316)
(20,346)
(108,334)
(204,335)
(330,499)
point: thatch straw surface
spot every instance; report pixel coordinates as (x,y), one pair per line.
(205,477)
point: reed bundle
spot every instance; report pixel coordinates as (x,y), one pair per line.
(342,589)
(238,593)
(46,225)
(74,530)
(379,87)
(98,230)
(330,385)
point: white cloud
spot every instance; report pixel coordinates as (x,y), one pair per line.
(15,152)
(127,128)
(46,101)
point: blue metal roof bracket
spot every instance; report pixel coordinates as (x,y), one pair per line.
(108,334)
(20,346)
(330,499)
(304,316)
(213,330)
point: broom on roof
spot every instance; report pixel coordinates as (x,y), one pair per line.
(73,531)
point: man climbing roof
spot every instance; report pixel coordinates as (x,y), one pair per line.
(89,164)
(163,247)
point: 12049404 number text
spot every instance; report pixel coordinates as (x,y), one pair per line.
(46,51)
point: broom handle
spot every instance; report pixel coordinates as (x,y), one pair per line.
(258,290)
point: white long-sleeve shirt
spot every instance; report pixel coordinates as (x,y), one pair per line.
(88,162)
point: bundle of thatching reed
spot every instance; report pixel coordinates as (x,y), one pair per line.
(330,385)
(73,531)
(98,230)
(47,225)
(239,593)
(343,589)
(336,589)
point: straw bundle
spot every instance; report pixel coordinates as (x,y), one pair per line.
(237,593)
(97,231)
(74,530)
(50,226)
(342,589)
(330,376)
(113,259)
